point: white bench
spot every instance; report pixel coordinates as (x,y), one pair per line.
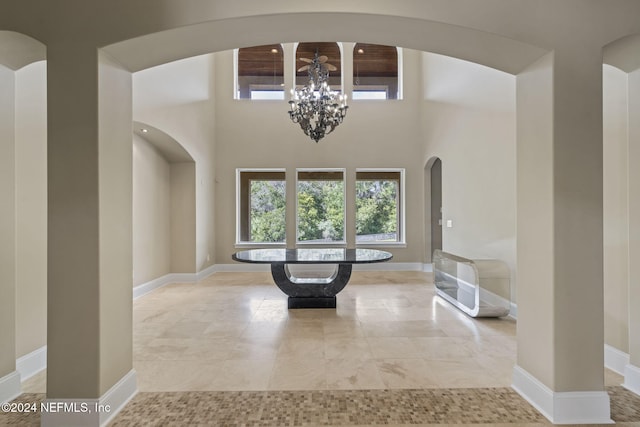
(480,288)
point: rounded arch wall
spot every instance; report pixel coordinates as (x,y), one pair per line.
(23,257)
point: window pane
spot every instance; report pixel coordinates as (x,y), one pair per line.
(262,207)
(267,94)
(377,201)
(260,68)
(307,51)
(320,206)
(375,71)
(370,94)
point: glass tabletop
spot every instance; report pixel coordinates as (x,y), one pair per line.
(312,256)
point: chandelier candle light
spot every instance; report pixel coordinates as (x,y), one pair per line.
(316,108)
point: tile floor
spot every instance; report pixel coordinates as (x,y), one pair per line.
(233,332)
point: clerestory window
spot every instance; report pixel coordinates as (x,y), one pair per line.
(375,72)
(260,72)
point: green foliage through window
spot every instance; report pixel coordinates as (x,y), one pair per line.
(321,210)
(377,208)
(262,208)
(268,211)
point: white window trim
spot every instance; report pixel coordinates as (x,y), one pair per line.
(236,90)
(239,242)
(402,242)
(400,75)
(342,242)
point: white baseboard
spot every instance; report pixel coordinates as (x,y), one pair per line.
(615,359)
(378,266)
(242,268)
(389,266)
(90,412)
(32,363)
(427,268)
(170,278)
(632,378)
(584,407)
(10,387)
(203,274)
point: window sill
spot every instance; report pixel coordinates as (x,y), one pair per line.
(381,245)
(339,244)
(260,245)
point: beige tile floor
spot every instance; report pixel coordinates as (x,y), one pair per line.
(233,331)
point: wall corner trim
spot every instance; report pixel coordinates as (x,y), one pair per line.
(32,363)
(96,412)
(632,378)
(10,387)
(583,407)
(615,359)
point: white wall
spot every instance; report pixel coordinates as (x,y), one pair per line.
(31,207)
(151,213)
(469,123)
(615,208)
(177,99)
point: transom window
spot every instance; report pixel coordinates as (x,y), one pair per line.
(375,72)
(260,72)
(307,51)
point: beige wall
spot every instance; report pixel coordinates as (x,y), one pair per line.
(535,220)
(252,134)
(7,222)
(634,217)
(176,98)
(31,208)
(615,208)
(115,299)
(183,217)
(469,123)
(151,213)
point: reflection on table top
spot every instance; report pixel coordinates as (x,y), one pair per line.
(312,256)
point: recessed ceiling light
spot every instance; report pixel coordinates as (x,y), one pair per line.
(274,50)
(360,50)
(144,130)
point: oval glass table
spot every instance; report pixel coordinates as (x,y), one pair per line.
(311,292)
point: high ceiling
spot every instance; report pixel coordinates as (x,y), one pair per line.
(375,60)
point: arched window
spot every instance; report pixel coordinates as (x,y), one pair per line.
(260,72)
(307,51)
(375,71)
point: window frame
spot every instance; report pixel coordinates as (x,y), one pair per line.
(239,222)
(399,78)
(338,243)
(401,242)
(236,79)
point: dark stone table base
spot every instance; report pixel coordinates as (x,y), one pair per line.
(311,292)
(312,302)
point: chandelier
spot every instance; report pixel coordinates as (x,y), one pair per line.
(316,108)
